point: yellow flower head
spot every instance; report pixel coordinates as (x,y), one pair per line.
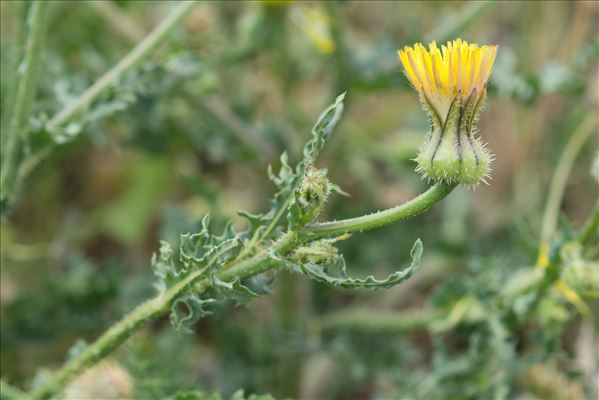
(440,74)
(452,85)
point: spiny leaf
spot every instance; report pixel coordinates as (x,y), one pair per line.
(288,179)
(320,133)
(207,254)
(186,310)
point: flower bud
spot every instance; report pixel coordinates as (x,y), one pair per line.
(321,252)
(313,194)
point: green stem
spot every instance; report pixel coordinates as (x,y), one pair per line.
(560,176)
(17,131)
(136,55)
(408,209)
(15,39)
(243,269)
(148,311)
(590,227)
(259,236)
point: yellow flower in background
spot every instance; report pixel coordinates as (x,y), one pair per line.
(452,85)
(316,25)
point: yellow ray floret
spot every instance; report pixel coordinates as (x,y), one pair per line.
(457,66)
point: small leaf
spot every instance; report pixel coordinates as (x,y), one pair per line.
(320,133)
(164,267)
(187,310)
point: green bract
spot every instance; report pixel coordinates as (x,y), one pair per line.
(451,152)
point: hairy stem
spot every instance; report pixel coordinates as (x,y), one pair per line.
(148,311)
(16,134)
(408,209)
(257,264)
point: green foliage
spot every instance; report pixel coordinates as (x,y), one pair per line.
(187,131)
(204,253)
(239,395)
(288,180)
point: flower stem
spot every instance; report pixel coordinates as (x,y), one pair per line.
(560,177)
(17,130)
(243,269)
(406,210)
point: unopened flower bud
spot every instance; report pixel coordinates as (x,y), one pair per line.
(313,194)
(321,252)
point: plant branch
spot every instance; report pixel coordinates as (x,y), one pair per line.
(17,131)
(138,53)
(408,209)
(150,310)
(560,177)
(243,269)
(15,45)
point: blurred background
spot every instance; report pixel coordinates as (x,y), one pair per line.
(192,129)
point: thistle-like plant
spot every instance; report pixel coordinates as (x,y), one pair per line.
(205,268)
